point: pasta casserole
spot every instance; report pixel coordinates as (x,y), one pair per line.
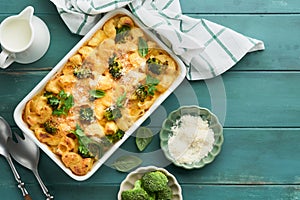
(99,93)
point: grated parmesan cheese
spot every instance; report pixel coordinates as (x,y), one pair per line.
(192,139)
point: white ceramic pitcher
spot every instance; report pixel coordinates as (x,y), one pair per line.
(24,38)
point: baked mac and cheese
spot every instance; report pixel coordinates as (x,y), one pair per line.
(99,93)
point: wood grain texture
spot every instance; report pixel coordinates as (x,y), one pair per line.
(280,54)
(259,158)
(253,99)
(210,192)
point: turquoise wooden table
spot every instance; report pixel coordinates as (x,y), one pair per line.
(257,101)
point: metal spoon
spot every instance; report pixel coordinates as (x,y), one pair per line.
(5,133)
(27,154)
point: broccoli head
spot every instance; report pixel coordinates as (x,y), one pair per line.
(118,135)
(115,67)
(148,89)
(82,72)
(51,126)
(154,181)
(112,113)
(156,66)
(122,33)
(165,194)
(86,114)
(141,93)
(137,193)
(152,186)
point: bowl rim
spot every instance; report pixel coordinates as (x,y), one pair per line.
(145,169)
(218,143)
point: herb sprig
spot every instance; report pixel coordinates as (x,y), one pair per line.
(96,94)
(60,103)
(114,111)
(83,141)
(148,89)
(87,148)
(143,47)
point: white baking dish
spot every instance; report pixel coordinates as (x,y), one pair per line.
(19,109)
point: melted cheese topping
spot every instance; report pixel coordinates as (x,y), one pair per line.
(89,70)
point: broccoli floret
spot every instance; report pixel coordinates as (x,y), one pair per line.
(118,135)
(141,93)
(95,149)
(86,114)
(50,126)
(148,89)
(52,100)
(154,181)
(87,148)
(152,186)
(137,193)
(96,94)
(61,103)
(165,194)
(82,72)
(115,67)
(112,113)
(156,66)
(152,196)
(122,33)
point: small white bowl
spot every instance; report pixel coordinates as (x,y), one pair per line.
(128,182)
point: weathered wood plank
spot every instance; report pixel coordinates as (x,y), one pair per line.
(190,192)
(233,192)
(259,158)
(281,42)
(188,6)
(251,99)
(14,7)
(267,99)
(14,87)
(248,157)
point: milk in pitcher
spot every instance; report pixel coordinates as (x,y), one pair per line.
(16,35)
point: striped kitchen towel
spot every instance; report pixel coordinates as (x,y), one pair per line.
(207,49)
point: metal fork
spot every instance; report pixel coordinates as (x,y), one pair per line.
(27,153)
(5,133)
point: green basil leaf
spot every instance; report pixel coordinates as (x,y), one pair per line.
(121,100)
(126,163)
(69,102)
(96,94)
(143,138)
(151,80)
(53,101)
(83,142)
(143,47)
(61,103)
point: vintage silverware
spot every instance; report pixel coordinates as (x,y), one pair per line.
(27,154)
(5,133)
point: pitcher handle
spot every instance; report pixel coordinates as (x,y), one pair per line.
(6,59)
